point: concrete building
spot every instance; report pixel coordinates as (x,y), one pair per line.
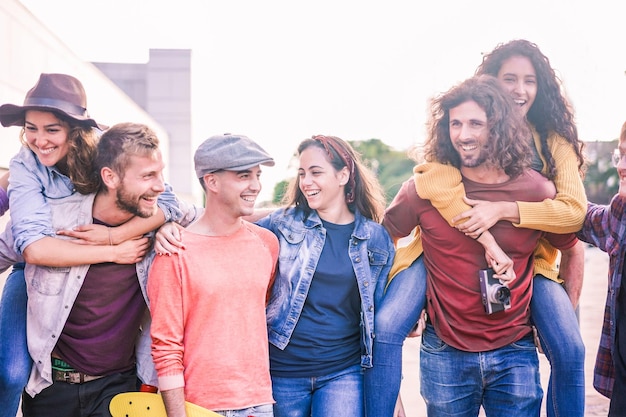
(162,87)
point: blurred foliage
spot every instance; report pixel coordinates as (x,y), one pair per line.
(601,179)
(279,192)
(390,166)
(393,167)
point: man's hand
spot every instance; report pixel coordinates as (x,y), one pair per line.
(419,327)
(499,261)
(130,251)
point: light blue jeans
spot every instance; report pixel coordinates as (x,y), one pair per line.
(396,312)
(265,410)
(504,381)
(559,332)
(15,361)
(339,394)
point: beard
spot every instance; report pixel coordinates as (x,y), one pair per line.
(474,161)
(131,203)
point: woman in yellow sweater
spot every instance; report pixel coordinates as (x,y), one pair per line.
(527,74)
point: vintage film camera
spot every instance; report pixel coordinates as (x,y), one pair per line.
(496,297)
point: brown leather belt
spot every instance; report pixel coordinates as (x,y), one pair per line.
(63,372)
(73,377)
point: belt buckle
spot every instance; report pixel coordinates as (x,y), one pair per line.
(72,377)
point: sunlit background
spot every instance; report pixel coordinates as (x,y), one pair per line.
(280,71)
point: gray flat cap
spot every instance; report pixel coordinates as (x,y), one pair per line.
(229,152)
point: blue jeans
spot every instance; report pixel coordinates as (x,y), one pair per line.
(265,410)
(396,312)
(15,361)
(504,381)
(559,332)
(339,394)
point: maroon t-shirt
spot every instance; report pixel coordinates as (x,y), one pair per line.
(453,260)
(100,333)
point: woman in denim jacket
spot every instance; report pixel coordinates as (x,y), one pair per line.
(333,256)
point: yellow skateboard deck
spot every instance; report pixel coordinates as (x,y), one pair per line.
(146,404)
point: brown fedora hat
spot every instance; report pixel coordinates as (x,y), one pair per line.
(57,93)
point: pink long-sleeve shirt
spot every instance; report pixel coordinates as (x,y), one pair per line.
(209,329)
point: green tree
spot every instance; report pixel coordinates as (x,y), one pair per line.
(279,192)
(392,167)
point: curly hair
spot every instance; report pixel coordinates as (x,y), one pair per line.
(551,111)
(508,147)
(363,192)
(78,165)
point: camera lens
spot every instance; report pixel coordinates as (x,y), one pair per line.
(502,294)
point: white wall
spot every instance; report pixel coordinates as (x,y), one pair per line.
(28,48)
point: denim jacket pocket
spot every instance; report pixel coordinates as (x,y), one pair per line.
(50,280)
(290,242)
(377,259)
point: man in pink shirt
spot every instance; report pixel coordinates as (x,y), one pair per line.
(207,301)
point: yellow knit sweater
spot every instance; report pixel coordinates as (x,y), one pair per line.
(441,184)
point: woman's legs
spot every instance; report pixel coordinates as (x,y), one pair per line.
(395,315)
(15,362)
(339,394)
(559,332)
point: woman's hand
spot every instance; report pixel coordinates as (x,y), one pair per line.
(483,215)
(89,234)
(169,239)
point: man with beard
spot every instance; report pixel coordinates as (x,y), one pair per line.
(88,325)
(478,343)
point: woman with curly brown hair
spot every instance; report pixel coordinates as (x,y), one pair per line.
(526,74)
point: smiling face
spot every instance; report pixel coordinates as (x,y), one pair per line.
(518,76)
(138,191)
(319,182)
(237,191)
(46,135)
(469,133)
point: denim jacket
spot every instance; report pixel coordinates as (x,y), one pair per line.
(53,290)
(301,241)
